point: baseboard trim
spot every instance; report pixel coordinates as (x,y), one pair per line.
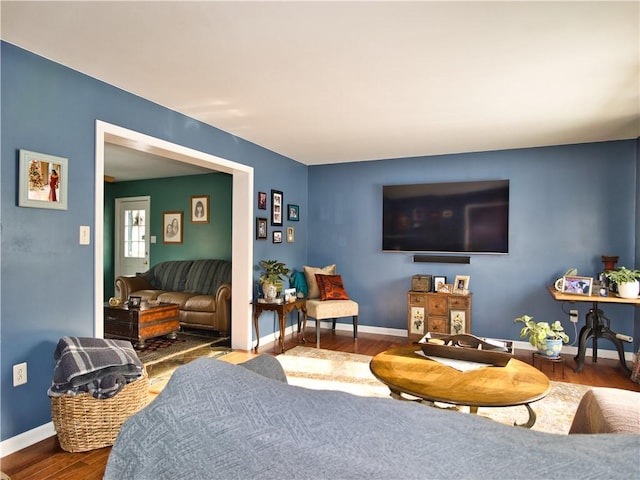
(26,439)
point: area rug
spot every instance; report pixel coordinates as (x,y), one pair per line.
(160,349)
(328,370)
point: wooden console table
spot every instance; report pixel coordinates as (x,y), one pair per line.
(596,325)
(282,309)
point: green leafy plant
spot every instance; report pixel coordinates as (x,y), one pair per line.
(273,271)
(622,275)
(540,332)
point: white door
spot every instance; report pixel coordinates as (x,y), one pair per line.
(132,235)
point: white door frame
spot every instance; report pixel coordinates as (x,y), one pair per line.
(242,225)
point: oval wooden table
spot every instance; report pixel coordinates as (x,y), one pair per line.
(406,372)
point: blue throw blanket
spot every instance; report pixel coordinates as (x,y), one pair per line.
(222,421)
(93,365)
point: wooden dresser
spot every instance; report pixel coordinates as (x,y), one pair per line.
(437,312)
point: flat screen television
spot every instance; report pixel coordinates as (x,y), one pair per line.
(455,217)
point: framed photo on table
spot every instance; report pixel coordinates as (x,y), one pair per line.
(42,180)
(438,282)
(172,227)
(277,199)
(577,285)
(200,209)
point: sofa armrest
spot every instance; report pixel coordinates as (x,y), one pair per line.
(127,285)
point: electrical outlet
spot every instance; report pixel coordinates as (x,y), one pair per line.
(20,374)
(573,316)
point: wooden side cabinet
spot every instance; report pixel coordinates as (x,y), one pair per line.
(437,312)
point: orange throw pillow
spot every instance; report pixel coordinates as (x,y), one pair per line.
(331,287)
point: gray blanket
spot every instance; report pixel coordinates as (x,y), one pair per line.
(93,365)
(220,421)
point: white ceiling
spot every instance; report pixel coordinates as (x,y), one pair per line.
(328,82)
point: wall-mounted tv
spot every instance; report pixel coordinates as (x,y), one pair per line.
(455,217)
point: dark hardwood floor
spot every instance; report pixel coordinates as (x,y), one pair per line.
(47,461)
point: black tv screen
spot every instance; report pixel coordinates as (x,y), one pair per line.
(458,217)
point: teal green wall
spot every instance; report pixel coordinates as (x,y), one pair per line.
(199,240)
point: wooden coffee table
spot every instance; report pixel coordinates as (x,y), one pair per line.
(406,372)
(139,324)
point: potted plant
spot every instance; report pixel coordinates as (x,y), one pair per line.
(626,281)
(273,273)
(547,338)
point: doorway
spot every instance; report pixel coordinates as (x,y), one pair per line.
(242,227)
(132,235)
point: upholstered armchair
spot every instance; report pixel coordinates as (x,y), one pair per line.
(327,299)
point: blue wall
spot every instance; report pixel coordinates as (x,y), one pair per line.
(569,205)
(47,288)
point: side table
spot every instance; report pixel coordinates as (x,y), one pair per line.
(541,359)
(282,309)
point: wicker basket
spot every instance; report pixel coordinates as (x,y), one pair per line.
(83,422)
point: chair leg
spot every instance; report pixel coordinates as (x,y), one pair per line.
(317,333)
(334,324)
(355,327)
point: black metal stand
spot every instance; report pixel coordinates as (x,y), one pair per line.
(597,326)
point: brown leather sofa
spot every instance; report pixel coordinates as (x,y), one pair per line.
(201,288)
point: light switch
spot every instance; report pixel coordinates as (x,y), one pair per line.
(153,239)
(85,235)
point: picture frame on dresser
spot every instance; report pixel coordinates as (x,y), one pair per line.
(416,326)
(461,284)
(458,322)
(438,281)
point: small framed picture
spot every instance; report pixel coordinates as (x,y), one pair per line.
(277,236)
(261,228)
(293,213)
(43,181)
(445,288)
(172,227)
(461,284)
(417,320)
(290,235)
(200,209)
(262,200)
(289,295)
(276,208)
(577,285)
(458,322)
(134,302)
(438,282)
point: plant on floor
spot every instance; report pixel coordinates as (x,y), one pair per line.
(542,333)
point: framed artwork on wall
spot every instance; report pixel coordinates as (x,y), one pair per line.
(290,235)
(277,199)
(262,200)
(293,213)
(172,227)
(261,228)
(277,236)
(43,181)
(200,209)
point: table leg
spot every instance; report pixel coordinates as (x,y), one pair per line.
(256,316)
(282,317)
(532,418)
(302,309)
